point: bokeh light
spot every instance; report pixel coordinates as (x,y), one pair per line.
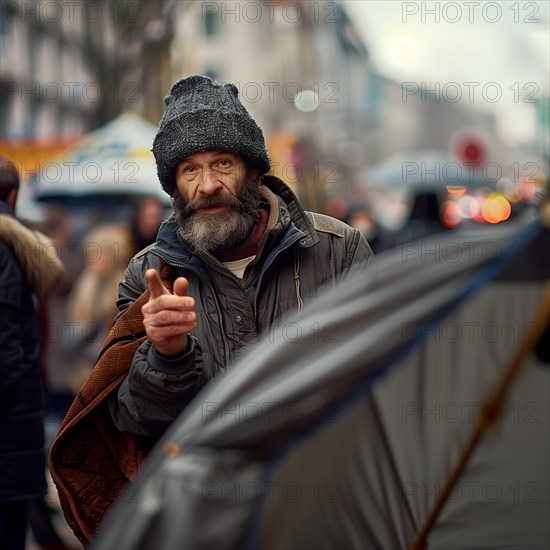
(496,209)
(306,101)
(450,214)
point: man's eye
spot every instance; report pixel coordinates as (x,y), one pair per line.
(224,163)
(188,169)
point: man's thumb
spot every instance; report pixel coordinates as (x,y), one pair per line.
(181,286)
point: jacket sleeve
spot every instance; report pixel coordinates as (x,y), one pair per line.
(156,390)
(359,255)
(157,387)
(348,244)
(11,349)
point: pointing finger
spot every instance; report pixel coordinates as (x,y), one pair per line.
(156,288)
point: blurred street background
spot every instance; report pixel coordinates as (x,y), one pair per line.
(363,103)
(404,119)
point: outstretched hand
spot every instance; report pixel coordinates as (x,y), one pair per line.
(168,318)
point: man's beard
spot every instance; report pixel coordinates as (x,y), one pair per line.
(221,230)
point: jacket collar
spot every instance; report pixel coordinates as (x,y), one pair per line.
(39,260)
(293,223)
(291,207)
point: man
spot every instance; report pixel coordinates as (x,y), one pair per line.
(237,255)
(26,268)
(244,251)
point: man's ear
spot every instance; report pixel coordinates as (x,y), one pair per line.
(255,175)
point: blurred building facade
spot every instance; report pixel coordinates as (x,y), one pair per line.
(68,67)
(350,116)
(42,70)
(302,67)
(298,72)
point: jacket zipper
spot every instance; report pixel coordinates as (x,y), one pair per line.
(266,267)
(254,309)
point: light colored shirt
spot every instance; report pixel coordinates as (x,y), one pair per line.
(238,267)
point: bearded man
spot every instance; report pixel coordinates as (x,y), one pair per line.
(243,252)
(237,255)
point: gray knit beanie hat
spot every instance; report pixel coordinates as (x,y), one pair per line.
(202,115)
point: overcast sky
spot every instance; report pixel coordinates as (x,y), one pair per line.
(501,47)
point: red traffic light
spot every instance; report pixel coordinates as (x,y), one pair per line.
(470,149)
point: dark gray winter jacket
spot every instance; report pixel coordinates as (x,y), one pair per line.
(305,254)
(27,266)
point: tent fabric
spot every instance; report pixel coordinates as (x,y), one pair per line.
(339,429)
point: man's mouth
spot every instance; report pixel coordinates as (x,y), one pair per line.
(212,209)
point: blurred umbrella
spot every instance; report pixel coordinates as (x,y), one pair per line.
(422,171)
(115,159)
(340,429)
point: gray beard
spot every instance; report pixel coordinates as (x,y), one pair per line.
(221,231)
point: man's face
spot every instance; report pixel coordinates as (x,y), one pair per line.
(216,201)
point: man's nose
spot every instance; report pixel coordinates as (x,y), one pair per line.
(210,182)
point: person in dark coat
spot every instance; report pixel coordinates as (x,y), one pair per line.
(242,251)
(28,267)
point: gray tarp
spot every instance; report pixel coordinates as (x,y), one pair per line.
(340,428)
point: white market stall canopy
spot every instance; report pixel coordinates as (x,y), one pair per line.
(115,159)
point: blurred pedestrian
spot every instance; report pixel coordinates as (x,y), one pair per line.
(424,218)
(239,253)
(57,360)
(149,214)
(26,269)
(51,322)
(91,305)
